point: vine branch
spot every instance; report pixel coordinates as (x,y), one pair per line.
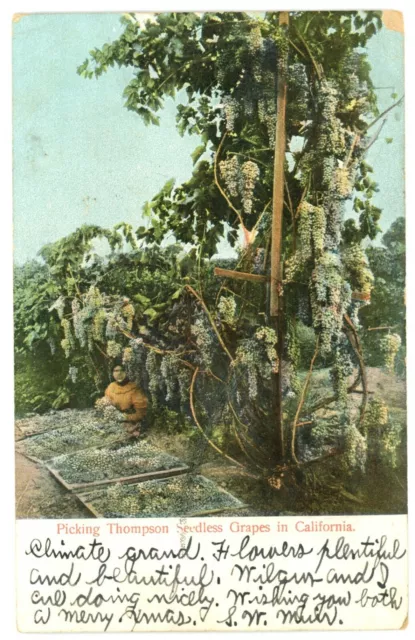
(358,351)
(193,410)
(316,65)
(380,116)
(325,401)
(248,440)
(302,399)
(212,323)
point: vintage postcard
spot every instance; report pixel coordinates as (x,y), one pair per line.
(209,311)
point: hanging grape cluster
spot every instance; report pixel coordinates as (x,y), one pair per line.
(311,231)
(256,359)
(355,449)
(268,339)
(98,326)
(113,349)
(247,363)
(357,268)
(152,368)
(389,346)
(227,310)
(169,370)
(93,318)
(68,342)
(332,138)
(330,297)
(298,93)
(204,340)
(240,179)
(59,307)
(230,172)
(73,374)
(78,318)
(376,414)
(134,360)
(230,108)
(249,177)
(342,368)
(390,441)
(255,67)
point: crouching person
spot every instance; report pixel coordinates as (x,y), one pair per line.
(127,398)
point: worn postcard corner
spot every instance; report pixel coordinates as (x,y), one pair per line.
(393,20)
(405,624)
(18,16)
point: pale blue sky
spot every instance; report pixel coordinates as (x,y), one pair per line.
(81,157)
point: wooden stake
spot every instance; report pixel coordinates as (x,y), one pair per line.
(276,241)
(240,275)
(278,187)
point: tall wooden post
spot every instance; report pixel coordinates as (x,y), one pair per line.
(276,301)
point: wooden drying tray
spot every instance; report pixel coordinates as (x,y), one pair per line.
(140,477)
(31,458)
(30,434)
(44,462)
(199,514)
(212,512)
(85,497)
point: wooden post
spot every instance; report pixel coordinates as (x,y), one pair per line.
(276,314)
(240,275)
(275,279)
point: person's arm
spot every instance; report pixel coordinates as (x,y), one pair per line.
(139,402)
(105,400)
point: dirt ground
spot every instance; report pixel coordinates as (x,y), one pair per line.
(39,495)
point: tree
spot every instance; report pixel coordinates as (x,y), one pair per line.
(39,382)
(387,263)
(242,74)
(64,326)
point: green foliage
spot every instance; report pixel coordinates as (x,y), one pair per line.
(305,345)
(170,422)
(61,319)
(34,292)
(229,66)
(38,384)
(387,305)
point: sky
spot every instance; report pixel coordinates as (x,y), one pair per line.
(81,158)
